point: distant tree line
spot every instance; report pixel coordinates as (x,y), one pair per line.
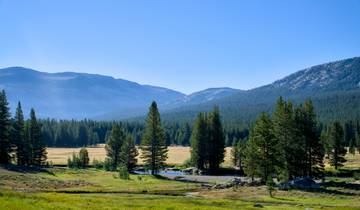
(73,133)
(21,140)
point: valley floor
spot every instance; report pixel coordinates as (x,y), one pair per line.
(60,188)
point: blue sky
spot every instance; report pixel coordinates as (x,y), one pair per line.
(186,45)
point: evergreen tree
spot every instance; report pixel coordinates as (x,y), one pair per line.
(291,144)
(336,136)
(352,146)
(153,145)
(113,146)
(324,138)
(39,153)
(84,157)
(23,149)
(199,139)
(264,149)
(216,143)
(313,146)
(238,154)
(5,127)
(129,153)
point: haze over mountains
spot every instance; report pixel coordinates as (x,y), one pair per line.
(76,95)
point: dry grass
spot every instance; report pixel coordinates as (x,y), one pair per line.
(176,155)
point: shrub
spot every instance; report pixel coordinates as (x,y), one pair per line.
(123,172)
(108,165)
(84,157)
(187,163)
(79,161)
(98,164)
(357,175)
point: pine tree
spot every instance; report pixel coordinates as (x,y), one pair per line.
(336,136)
(216,143)
(264,149)
(5,126)
(314,149)
(238,154)
(199,139)
(285,132)
(128,154)
(39,153)
(113,145)
(23,148)
(153,145)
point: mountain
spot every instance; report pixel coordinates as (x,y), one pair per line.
(203,96)
(334,88)
(78,95)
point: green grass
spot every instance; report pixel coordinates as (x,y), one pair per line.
(97,189)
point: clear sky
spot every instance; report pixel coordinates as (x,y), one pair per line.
(186,45)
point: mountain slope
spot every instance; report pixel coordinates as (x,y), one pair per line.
(77,95)
(335,82)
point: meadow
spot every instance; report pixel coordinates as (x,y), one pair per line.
(63,188)
(177,155)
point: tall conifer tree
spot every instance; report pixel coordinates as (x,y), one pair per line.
(336,137)
(199,139)
(113,145)
(5,126)
(129,153)
(153,146)
(39,153)
(23,148)
(265,158)
(216,143)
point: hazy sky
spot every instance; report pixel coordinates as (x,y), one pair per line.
(183,45)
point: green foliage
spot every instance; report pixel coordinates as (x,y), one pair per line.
(270,185)
(108,164)
(74,161)
(5,126)
(216,142)
(336,137)
(153,145)
(84,157)
(208,141)
(23,146)
(79,161)
(98,164)
(113,145)
(199,139)
(39,153)
(128,154)
(123,172)
(238,154)
(263,154)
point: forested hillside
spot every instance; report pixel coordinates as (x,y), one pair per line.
(333,87)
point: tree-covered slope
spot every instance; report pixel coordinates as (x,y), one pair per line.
(334,88)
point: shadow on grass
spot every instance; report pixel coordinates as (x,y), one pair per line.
(351,186)
(27,169)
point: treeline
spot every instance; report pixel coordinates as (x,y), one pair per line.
(20,140)
(72,133)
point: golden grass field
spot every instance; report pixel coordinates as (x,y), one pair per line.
(176,155)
